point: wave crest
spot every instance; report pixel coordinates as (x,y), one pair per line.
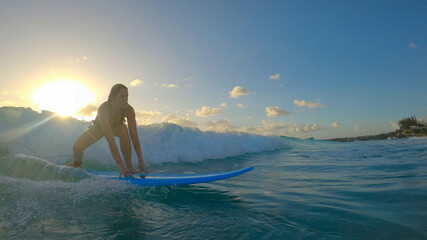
(38,169)
(45,135)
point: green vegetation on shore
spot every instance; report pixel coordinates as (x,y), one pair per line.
(408,127)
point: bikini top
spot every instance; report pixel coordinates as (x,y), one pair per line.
(122,118)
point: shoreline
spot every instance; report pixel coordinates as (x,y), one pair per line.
(422,132)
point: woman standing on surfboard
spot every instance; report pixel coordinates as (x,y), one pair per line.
(110,122)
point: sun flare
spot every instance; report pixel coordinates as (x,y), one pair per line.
(64,97)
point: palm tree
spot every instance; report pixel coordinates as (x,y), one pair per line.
(406,123)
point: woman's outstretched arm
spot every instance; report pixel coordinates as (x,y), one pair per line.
(104,117)
(134,136)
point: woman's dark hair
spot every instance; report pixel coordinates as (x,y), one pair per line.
(115,90)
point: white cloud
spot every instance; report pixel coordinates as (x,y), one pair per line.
(7,103)
(241,106)
(305,128)
(222,125)
(238,91)
(413,45)
(13,99)
(88,110)
(267,128)
(308,104)
(172,118)
(20,95)
(136,82)
(335,125)
(207,111)
(146,84)
(170,85)
(187,79)
(276,111)
(224,104)
(77,59)
(147,117)
(275,77)
(394,126)
(270,126)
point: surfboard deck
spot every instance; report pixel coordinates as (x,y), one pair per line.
(172,179)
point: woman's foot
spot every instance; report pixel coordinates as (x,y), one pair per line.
(74,164)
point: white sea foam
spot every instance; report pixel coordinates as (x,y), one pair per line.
(31,200)
(41,134)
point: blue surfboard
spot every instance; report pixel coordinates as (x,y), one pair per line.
(172,179)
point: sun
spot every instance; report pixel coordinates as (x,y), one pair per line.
(64,97)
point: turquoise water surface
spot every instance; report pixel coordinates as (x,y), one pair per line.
(308,189)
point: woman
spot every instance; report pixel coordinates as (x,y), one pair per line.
(110,122)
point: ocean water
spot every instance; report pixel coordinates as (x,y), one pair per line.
(299,189)
(307,190)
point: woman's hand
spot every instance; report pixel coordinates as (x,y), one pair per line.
(124,171)
(142,167)
(134,170)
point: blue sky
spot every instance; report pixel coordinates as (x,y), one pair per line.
(305,68)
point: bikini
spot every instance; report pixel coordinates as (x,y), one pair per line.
(122,119)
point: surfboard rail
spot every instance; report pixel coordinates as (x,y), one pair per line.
(173,179)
